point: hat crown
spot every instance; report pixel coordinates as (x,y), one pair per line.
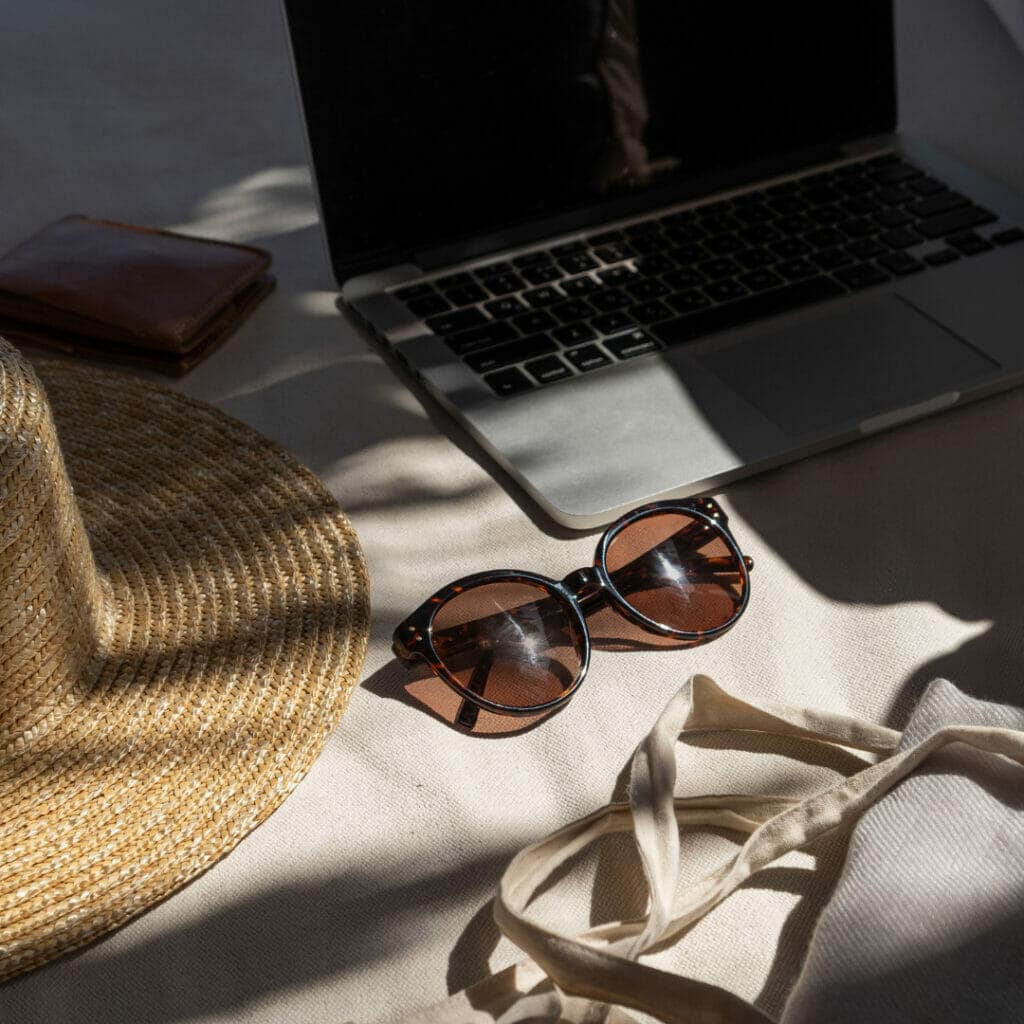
(51,594)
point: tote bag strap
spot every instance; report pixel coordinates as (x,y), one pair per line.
(600,966)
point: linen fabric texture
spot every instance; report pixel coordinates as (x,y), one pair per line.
(909,885)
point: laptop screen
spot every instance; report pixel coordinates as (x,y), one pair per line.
(431,123)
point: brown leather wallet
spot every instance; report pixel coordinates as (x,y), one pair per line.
(129,294)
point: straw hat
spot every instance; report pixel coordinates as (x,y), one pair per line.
(178,636)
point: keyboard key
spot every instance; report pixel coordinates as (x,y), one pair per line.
(650,312)
(894,217)
(862,275)
(631,344)
(450,281)
(679,280)
(716,269)
(753,307)
(969,243)
(865,248)
(494,332)
(614,253)
(796,224)
(689,301)
(574,334)
(511,352)
(577,263)
(789,248)
(725,245)
(725,290)
(825,238)
(900,263)
(577,286)
(536,320)
(574,309)
(508,382)
(542,274)
(494,269)
(858,227)
(612,323)
(718,223)
(502,308)
(414,291)
(827,214)
(786,205)
(503,284)
(428,305)
(936,259)
(609,299)
(793,270)
(643,288)
(617,275)
(653,265)
(543,296)
(1008,237)
(862,206)
(894,195)
(684,255)
(831,259)
(760,234)
(759,280)
(587,357)
(648,244)
(465,294)
(754,259)
(900,238)
(941,202)
(449,323)
(955,220)
(548,370)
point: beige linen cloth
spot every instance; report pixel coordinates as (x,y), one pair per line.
(935,864)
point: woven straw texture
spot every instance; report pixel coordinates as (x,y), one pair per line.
(178,635)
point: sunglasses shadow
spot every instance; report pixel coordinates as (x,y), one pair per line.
(414,684)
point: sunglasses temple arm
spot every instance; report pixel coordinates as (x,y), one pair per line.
(468,711)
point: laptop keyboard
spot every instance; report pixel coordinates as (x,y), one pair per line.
(555,313)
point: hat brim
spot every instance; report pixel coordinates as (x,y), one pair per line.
(238,619)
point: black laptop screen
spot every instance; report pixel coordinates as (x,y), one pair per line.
(432,123)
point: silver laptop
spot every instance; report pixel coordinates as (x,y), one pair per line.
(641,248)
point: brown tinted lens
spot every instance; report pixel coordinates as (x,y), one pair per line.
(677,570)
(515,644)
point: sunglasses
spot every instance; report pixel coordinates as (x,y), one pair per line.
(517,643)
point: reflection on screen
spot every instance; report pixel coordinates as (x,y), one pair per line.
(436,121)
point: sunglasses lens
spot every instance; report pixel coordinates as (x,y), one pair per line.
(516,644)
(677,570)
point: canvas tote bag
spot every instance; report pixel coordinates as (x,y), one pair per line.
(592,977)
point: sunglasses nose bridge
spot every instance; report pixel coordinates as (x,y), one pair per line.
(584,584)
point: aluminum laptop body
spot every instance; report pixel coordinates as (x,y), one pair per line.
(640,249)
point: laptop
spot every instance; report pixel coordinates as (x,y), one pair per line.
(639,248)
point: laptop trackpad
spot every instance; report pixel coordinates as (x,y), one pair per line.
(875,357)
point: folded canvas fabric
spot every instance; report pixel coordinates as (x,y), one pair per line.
(926,922)
(919,865)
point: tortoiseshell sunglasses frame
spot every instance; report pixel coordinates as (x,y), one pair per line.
(581,590)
